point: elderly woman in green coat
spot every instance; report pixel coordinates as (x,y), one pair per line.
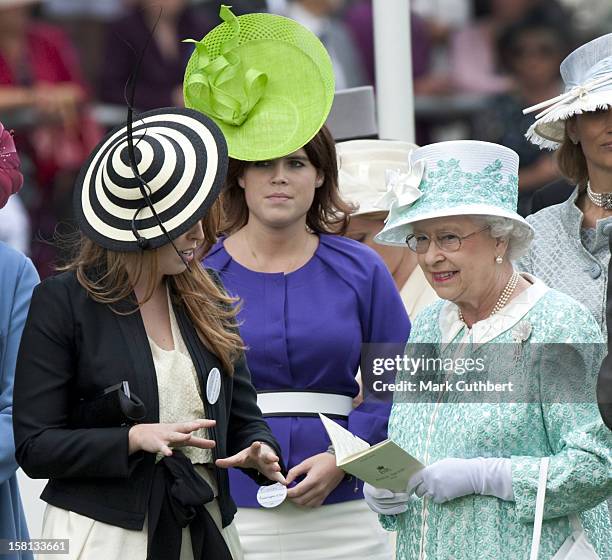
(476,496)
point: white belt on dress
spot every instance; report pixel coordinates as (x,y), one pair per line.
(303,403)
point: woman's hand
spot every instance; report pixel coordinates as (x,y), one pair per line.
(259,456)
(386,502)
(159,438)
(448,479)
(322,476)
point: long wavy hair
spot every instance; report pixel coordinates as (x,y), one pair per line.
(328,212)
(104,275)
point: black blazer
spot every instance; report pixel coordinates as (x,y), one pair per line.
(73,348)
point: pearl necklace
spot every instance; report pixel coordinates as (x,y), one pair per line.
(503,298)
(603,200)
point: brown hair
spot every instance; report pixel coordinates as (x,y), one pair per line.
(104,274)
(571,160)
(328,212)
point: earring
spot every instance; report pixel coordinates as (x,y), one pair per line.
(499,259)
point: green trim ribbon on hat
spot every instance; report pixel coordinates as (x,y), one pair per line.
(222,88)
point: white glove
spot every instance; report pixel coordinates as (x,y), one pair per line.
(385,502)
(448,479)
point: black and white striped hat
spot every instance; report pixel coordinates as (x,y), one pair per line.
(181,156)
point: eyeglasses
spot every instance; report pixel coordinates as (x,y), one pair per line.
(445,241)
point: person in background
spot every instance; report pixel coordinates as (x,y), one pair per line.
(372,175)
(473,63)
(85,23)
(161,70)
(17,280)
(483,453)
(309,297)
(14,221)
(38,66)
(530,51)
(571,251)
(39,72)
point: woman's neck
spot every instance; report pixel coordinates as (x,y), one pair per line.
(141,286)
(270,242)
(600,181)
(266,249)
(482,307)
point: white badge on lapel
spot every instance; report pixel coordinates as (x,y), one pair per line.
(271,496)
(213,386)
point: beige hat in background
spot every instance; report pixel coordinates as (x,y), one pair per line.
(364,168)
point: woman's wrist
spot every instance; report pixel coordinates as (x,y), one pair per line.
(133,443)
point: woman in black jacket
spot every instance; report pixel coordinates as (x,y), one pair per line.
(132,394)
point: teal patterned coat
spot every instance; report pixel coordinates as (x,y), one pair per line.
(572,435)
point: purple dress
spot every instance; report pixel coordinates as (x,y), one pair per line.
(304,332)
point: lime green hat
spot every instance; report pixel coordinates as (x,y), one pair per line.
(266,81)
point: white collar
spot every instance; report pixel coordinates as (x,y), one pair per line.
(491,327)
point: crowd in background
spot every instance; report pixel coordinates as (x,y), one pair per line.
(62,60)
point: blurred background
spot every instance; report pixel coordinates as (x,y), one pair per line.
(64,65)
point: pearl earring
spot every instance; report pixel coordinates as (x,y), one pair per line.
(499,259)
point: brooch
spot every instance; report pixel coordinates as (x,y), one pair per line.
(520,334)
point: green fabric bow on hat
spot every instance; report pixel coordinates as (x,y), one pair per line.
(266,80)
(222,88)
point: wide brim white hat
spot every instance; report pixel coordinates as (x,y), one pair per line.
(364,167)
(587,74)
(458,178)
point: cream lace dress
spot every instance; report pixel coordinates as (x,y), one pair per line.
(179,401)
